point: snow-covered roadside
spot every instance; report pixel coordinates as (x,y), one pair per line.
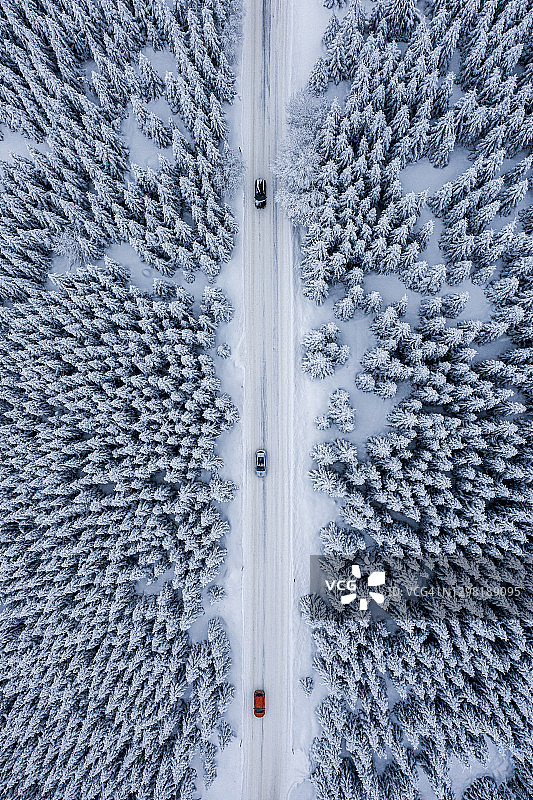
(230,371)
(311,511)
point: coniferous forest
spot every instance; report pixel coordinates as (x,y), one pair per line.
(443,496)
(110,406)
(407,162)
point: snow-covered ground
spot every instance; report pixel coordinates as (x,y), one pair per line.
(12,143)
(231,373)
(311,511)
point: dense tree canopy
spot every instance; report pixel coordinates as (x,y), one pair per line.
(443,496)
(110,410)
(111,530)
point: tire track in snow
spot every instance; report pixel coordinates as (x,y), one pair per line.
(268,410)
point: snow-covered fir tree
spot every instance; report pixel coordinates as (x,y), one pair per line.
(322,351)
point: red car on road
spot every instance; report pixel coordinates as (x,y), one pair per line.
(259,703)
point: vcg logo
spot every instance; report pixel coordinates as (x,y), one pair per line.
(374,580)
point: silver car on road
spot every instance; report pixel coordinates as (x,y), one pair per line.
(260,463)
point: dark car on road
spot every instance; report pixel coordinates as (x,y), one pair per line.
(259,703)
(260,463)
(260,193)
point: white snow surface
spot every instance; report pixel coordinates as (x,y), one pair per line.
(13,143)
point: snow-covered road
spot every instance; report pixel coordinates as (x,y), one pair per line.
(268,410)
